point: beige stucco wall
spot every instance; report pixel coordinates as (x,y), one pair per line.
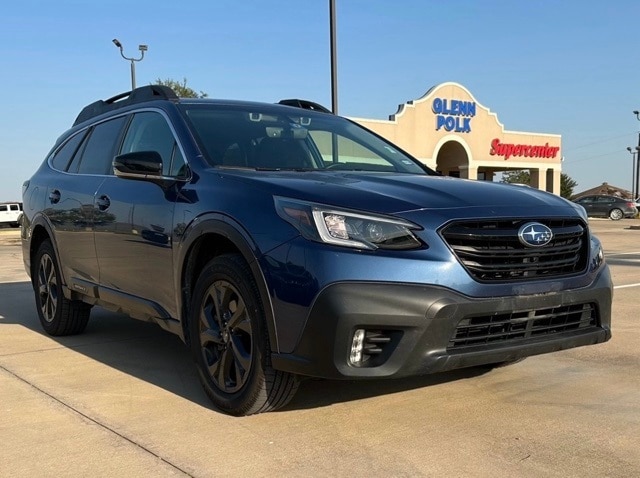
(414,127)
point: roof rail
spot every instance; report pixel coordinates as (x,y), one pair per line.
(139,95)
(304,104)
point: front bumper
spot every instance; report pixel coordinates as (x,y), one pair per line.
(421,322)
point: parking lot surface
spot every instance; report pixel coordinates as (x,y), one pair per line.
(123,399)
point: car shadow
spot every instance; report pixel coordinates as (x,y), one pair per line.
(145,351)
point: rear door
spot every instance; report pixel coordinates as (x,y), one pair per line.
(79,167)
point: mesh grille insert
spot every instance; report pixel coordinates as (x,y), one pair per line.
(522,325)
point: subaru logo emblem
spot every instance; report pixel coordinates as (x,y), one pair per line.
(534,234)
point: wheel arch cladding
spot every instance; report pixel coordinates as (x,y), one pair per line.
(210,239)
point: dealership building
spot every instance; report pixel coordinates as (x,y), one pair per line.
(451,132)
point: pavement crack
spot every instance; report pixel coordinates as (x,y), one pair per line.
(98,423)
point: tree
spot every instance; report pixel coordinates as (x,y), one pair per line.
(524,177)
(516,177)
(181,88)
(566,186)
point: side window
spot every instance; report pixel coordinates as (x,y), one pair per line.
(62,157)
(13,207)
(178,164)
(3,208)
(149,131)
(97,157)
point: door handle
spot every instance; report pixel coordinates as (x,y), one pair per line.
(54,196)
(103,203)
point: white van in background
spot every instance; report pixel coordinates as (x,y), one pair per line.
(10,213)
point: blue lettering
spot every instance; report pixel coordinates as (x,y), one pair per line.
(472,108)
(455,107)
(466,122)
(449,123)
(437,105)
(453,115)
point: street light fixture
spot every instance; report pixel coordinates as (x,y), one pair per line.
(634,192)
(142,49)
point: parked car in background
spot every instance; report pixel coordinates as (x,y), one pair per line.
(612,207)
(280,240)
(10,213)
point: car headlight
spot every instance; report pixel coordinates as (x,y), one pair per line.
(597,254)
(343,227)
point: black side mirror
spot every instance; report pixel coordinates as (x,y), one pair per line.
(140,165)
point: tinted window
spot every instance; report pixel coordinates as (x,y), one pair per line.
(149,131)
(606,199)
(97,157)
(3,208)
(296,139)
(14,207)
(62,157)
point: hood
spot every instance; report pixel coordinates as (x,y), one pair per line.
(398,193)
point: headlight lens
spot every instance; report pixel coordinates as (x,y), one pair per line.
(347,228)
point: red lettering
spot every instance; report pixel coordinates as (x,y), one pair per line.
(527,150)
(494,146)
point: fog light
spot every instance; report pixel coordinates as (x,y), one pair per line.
(357,345)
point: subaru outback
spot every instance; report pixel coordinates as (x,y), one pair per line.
(280,241)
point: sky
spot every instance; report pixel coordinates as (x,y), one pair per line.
(562,67)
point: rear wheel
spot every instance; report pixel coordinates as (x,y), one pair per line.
(230,343)
(615,214)
(58,315)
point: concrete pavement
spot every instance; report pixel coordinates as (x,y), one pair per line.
(123,400)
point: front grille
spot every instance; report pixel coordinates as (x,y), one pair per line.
(522,325)
(491,251)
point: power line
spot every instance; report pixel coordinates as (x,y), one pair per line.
(600,141)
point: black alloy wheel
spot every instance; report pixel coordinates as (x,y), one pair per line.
(230,342)
(58,315)
(226,337)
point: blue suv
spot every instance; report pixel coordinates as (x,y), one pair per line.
(280,241)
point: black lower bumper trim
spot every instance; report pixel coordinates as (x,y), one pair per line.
(424,319)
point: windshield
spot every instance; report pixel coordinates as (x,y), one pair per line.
(302,141)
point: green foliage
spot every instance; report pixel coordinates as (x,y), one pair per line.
(181,88)
(524,177)
(518,177)
(566,186)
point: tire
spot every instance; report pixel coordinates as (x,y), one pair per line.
(230,343)
(58,315)
(616,214)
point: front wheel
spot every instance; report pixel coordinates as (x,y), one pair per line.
(230,343)
(58,315)
(615,214)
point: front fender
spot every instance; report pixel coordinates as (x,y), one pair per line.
(226,227)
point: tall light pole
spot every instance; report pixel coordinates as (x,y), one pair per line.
(637,172)
(334,60)
(634,193)
(142,49)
